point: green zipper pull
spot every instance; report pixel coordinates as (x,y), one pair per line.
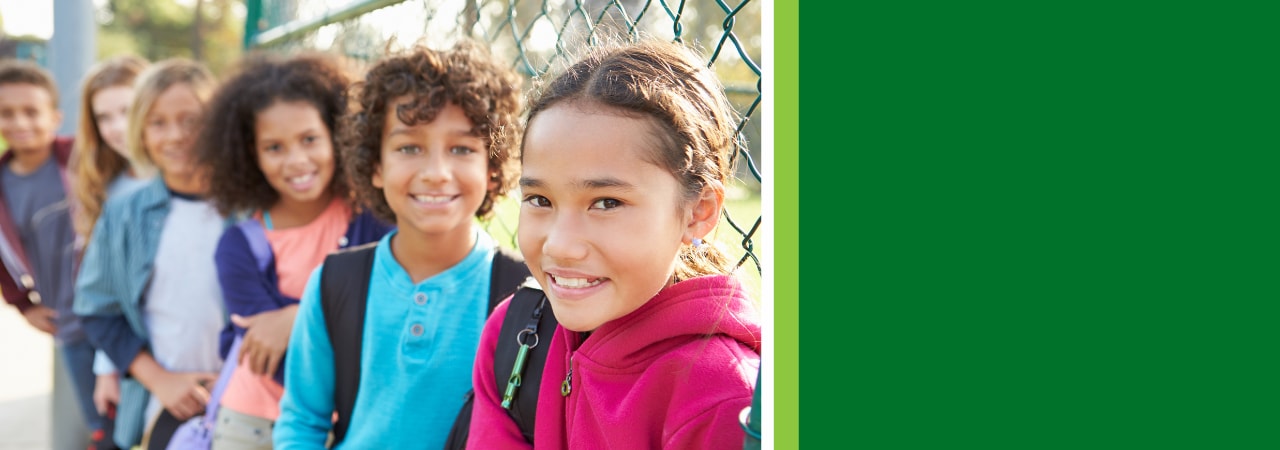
(567,386)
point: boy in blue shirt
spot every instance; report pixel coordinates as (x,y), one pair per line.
(428,146)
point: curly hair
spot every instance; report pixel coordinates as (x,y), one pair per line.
(227,141)
(96,163)
(465,75)
(692,119)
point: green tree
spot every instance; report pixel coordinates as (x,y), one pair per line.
(208,31)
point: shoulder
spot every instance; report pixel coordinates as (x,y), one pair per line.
(716,383)
(147,195)
(62,146)
(713,369)
(233,240)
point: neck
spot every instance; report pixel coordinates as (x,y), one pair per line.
(424,256)
(189,185)
(27,161)
(289,213)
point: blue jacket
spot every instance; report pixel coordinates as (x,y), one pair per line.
(248,291)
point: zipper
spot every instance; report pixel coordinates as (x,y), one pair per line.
(567,385)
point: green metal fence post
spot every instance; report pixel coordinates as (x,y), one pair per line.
(252,16)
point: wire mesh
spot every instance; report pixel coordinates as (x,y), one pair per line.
(537,35)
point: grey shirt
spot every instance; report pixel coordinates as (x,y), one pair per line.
(40,210)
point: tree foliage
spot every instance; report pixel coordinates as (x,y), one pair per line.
(158,29)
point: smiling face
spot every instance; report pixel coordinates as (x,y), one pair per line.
(167,134)
(434,175)
(28,118)
(295,151)
(600,225)
(111,114)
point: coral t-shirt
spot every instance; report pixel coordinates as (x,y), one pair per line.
(297,251)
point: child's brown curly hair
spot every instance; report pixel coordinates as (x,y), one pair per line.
(465,75)
(227,141)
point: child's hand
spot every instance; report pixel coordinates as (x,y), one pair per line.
(183,394)
(266,338)
(106,392)
(41,317)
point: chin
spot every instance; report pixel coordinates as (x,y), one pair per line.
(581,326)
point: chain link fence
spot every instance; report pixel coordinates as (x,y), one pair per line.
(536,36)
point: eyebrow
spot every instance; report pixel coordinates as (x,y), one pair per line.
(408,131)
(593,183)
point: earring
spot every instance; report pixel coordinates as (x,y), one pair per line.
(697,242)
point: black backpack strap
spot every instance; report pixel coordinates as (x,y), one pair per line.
(507,274)
(344,292)
(527,328)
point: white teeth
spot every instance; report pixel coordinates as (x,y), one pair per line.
(301,179)
(432,198)
(575,282)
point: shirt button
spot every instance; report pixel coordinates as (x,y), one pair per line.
(420,298)
(342,241)
(416,329)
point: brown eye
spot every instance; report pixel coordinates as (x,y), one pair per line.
(537,201)
(606,204)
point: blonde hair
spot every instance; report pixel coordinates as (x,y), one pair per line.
(154,81)
(95,165)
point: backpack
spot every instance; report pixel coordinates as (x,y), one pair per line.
(344,292)
(518,360)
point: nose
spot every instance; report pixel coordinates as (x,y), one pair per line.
(434,168)
(173,132)
(295,156)
(566,238)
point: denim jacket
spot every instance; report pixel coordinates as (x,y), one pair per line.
(113,279)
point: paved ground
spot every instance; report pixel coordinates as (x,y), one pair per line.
(26,384)
(32,399)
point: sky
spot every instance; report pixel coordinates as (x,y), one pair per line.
(26,17)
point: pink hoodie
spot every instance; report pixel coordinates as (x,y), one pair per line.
(673,374)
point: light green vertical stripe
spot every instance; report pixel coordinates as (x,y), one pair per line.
(786,214)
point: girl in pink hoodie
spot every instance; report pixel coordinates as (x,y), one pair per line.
(624,159)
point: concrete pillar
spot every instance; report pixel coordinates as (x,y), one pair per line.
(72,50)
(67,426)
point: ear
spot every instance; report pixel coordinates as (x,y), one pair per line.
(704,213)
(376,180)
(493,181)
(57,118)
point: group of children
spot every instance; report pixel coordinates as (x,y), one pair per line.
(292,259)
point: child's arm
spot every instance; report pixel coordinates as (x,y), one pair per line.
(100,302)
(238,275)
(716,393)
(306,412)
(251,301)
(491,427)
